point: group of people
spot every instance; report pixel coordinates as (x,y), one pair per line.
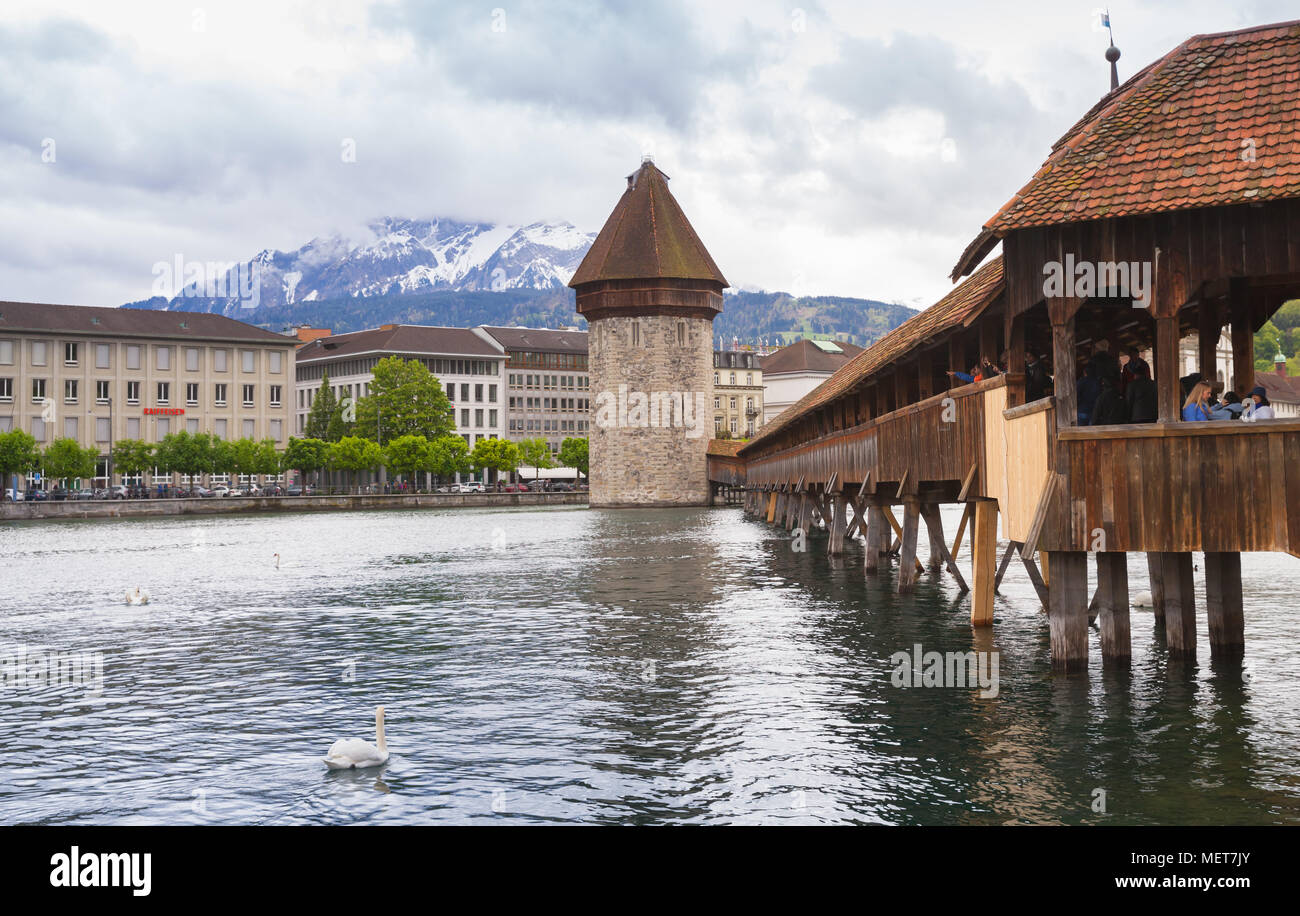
(1114,390)
(1203,403)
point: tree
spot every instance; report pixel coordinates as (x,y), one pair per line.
(448,456)
(405,399)
(1287,318)
(409,455)
(223,456)
(536,453)
(500,455)
(573,454)
(132,457)
(65,459)
(186,453)
(306,455)
(353,454)
(341,424)
(268,459)
(18,454)
(322,411)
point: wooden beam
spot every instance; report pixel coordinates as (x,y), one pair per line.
(1243,336)
(1156,580)
(907,575)
(966,515)
(1180,605)
(1063,374)
(839,523)
(1168,389)
(877,538)
(1113,609)
(934,525)
(984,553)
(1007,556)
(1223,606)
(1040,514)
(898,531)
(1067,611)
(968,481)
(1035,577)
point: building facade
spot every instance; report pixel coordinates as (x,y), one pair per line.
(794,371)
(649,291)
(737,393)
(547,383)
(101,375)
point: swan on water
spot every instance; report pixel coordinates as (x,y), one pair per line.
(356,754)
(1143,599)
(277,561)
(139,596)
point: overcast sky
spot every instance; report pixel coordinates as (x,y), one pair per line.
(849,149)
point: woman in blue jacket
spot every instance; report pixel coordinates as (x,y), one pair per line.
(1197,405)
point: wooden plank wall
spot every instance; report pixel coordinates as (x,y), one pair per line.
(1024,455)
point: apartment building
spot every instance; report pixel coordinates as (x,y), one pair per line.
(795,370)
(548,388)
(737,393)
(100,375)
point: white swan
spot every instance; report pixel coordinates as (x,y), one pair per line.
(355,754)
(1143,599)
(139,596)
(277,561)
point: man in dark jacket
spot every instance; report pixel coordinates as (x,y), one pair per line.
(1037,383)
(1111,407)
(1087,392)
(1141,394)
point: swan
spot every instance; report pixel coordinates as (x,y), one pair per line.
(138,596)
(1143,599)
(355,754)
(277,561)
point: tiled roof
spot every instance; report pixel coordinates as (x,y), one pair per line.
(959,308)
(1211,123)
(806,356)
(399,339)
(646,237)
(546,340)
(125,322)
(1281,388)
(725,448)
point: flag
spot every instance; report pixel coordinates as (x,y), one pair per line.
(1105,20)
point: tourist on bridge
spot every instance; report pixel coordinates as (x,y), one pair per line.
(1037,381)
(1140,392)
(1230,409)
(1259,407)
(1087,392)
(1111,408)
(1131,362)
(1197,406)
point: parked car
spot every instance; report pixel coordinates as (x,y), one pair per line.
(37,496)
(562,487)
(118,492)
(514,488)
(235,491)
(58,493)
(83,493)
(220,490)
(14,496)
(473,487)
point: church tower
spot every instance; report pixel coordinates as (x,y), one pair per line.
(649,291)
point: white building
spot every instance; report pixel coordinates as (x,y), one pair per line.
(793,371)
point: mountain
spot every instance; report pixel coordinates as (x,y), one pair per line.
(460,274)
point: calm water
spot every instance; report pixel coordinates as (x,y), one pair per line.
(570,665)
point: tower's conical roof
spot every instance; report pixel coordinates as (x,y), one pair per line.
(647,237)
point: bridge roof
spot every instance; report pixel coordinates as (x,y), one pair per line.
(1180,134)
(957,309)
(647,237)
(725,448)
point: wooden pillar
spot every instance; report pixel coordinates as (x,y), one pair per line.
(1063,369)
(907,555)
(924,375)
(771,507)
(989,339)
(1179,604)
(878,531)
(1208,328)
(1243,337)
(1016,361)
(934,528)
(1169,392)
(1223,606)
(984,560)
(1113,609)
(1067,611)
(839,523)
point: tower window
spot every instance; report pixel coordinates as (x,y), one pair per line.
(636,333)
(681,333)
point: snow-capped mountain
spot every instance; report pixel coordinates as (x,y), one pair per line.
(399,256)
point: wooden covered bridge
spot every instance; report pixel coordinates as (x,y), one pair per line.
(1188,174)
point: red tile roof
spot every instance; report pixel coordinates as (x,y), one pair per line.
(725,448)
(647,237)
(1178,135)
(959,308)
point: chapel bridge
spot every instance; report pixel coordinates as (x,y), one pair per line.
(1157,174)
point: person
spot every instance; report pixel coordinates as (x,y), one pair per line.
(1104,360)
(1087,392)
(1131,363)
(1189,382)
(1036,378)
(1196,408)
(989,369)
(1230,409)
(1259,408)
(1140,392)
(1111,408)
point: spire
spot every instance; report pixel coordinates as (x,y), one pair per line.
(1112,53)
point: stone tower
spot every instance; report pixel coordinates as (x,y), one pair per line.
(649,290)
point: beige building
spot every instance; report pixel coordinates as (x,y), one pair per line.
(101,375)
(548,388)
(737,393)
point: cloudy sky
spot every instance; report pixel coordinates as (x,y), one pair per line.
(849,149)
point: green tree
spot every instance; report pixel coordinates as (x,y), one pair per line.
(245,457)
(409,455)
(1287,318)
(223,456)
(448,456)
(341,424)
(133,457)
(354,454)
(573,454)
(1268,343)
(535,453)
(185,453)
(322,411)
(405,399)
(65,459)
(268,459)
(306,455)
(18,454)
(500,455)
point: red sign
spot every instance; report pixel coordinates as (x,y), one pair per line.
(165,411)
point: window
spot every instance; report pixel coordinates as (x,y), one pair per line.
(681,333)
(102,391)
(478,417)
(101,356)
(636,333)
(717,378)
(275,358)
(133,393)
(733,379)
(191,426)
(192,359)
(102,431)
(164,427)
(6,352)
(70,354)
(70,427)
(219,358)
(192,393)
(38,353)
(733,403)
(248,429)
(275,395)
(219,429)
(132,356)
(6,424)
(133,427)
(248,360)
(6,390)
(70,391)
(248,395)
(717,403)
(219,395)
(38,429)
(38,391)
(749,379)
(464,417)
(733,426)
(464,392)
(164,393)
(478,393)
(164,358)
(492,418)
(277,427)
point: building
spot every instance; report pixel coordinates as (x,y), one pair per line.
(649,291)
(547,383)
(737,393)
(101,375)
(470,366)
(794,371)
